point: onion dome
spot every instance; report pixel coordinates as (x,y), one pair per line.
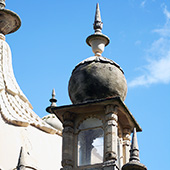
(97,77)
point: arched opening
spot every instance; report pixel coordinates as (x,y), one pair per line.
(90,142)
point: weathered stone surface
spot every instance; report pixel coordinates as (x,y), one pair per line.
(134,161)
(10,21)
(94,79)
(134,165)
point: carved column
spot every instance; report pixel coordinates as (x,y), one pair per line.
(120,152)
(126,145)
(68,142)
(111,133)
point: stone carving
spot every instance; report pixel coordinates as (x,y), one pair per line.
(68,141)
(87,117)
(126,144)
(111,131)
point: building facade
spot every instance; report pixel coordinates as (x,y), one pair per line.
(93,133)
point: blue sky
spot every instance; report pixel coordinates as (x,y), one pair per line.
(51,41)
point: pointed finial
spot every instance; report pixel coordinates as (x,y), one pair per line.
(26,160)
(134,152)
(97,40)
(53,100)
(2,4)
(21,161)
(134,161)
(98,24)
(53,93)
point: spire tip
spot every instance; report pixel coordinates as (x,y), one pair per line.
(53,93)
(53,100)
(97,40)
(98,24)
(134,152)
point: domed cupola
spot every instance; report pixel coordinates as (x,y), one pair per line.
(97,77)
(97,126)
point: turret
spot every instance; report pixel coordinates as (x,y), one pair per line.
(98,125)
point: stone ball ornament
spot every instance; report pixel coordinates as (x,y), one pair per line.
(96,78)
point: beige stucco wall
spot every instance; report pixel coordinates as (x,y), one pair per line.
(44,148)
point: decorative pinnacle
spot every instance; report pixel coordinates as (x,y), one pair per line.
(98,24)
(97,40)
(134,161)
(2,4)
(53,100)
(134,152)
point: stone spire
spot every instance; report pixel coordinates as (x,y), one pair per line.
(98,24)
(26,161)
(134,152)
(134,161)
(97,40)
(53,100)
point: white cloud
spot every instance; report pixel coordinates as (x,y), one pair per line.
(157,71)
(167,13)
(165,30)
(158,68)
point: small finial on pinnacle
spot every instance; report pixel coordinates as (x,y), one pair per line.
(53,93)
(97,40)
(98,24)
(134,161)
(2,4)
(53,100)
(134,152)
